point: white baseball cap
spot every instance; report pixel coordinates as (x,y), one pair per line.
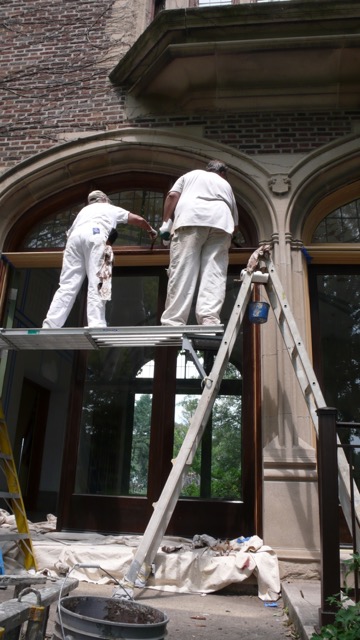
(95,196)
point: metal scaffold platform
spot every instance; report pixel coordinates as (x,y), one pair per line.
(91,339)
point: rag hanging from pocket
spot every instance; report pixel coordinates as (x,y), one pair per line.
(105,273)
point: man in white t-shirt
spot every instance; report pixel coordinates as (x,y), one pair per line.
(201,214)
(84,253)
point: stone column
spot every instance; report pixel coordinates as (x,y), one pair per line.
(290,497)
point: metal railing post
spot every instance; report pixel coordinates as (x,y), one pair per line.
(329,513)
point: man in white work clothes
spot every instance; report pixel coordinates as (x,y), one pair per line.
(83,256)
(204,212)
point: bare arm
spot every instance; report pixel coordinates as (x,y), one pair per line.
(138,221)
(170,203)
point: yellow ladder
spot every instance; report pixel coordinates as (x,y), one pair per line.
(13,499)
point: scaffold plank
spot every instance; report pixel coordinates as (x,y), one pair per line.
(87,338)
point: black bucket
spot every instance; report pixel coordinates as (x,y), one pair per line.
(86,618)
(258,312)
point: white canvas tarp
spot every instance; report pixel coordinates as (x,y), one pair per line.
(201,565)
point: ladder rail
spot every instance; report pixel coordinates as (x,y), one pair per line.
(13,496)
(294,344)
(164,507)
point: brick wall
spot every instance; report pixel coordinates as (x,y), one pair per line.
(55,58)
(54,83)
(252,133)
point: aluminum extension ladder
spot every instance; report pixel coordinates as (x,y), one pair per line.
(140,566)
(13,499)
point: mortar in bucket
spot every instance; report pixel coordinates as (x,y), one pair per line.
(258,312)
(88,617)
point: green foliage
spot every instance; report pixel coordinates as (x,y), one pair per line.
(219,461)
(346,625)
(140,445)
(223,462)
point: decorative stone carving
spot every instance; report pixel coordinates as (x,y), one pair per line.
(280,184)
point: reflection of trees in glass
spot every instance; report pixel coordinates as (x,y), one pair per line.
(50,232)
(339,307)
(223,460)
(350,439)
(341,225)
(140,445)
(148,204)
(98,467)
(356,457)
(107,418)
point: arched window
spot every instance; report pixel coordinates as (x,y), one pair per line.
(341,225)
(50,232)
(115,465)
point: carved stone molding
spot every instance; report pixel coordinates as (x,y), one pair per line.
(295,243)
(280,184)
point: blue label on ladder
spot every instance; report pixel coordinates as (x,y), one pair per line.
(2,568)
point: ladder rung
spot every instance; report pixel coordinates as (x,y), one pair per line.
(13,498)
(11,535)
(9,496)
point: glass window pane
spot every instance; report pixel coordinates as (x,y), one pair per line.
(216,468)
(50,232)
(140,448)
(339,309)
(341,225)
(148,204)
(115,424)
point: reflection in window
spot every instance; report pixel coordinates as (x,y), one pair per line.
(50,232)
(341,225)
(339,321)
(216,468)
(115,422)
(140,445)
(148,204)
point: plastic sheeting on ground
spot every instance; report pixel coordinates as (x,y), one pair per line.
(200,565)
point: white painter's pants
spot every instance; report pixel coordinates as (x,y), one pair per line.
(197,252)
(82,257)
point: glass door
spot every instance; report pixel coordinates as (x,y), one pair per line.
(130,410)
(335,305)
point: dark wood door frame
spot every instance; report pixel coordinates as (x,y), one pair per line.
(130,514)
(30,438)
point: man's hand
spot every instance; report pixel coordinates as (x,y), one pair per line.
(165,232)
(152,233)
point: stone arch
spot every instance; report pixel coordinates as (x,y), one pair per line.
(320,183)
(74,165)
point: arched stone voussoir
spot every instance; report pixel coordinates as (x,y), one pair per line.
(78,163)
